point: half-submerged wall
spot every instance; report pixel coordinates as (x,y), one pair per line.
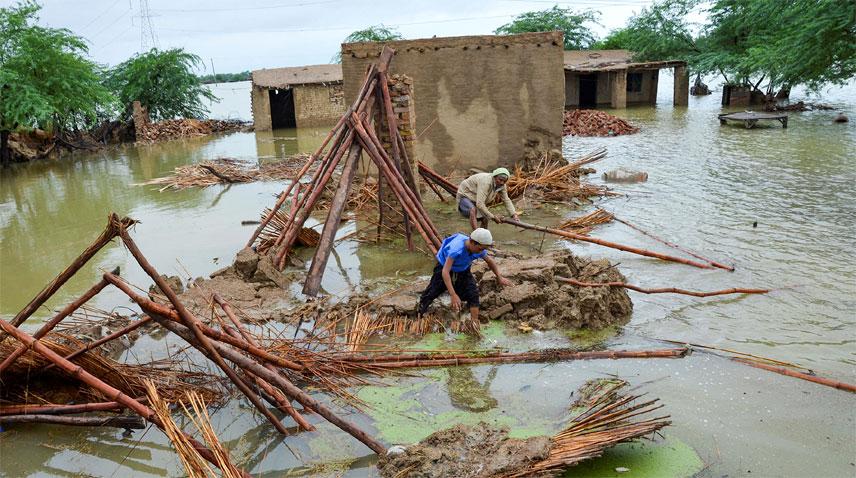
(479,100)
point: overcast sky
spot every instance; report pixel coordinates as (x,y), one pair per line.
(252,34)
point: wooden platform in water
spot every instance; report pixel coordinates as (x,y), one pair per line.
(751,118)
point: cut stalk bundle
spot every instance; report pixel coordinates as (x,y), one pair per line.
(606,423)
(585,224)
(227,171)
(551,180)
(364,326)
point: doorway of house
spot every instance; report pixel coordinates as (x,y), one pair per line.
(588,91)
(282,109)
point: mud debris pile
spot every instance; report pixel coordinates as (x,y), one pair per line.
(472,451)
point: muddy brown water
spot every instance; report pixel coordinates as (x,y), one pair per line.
(707,185)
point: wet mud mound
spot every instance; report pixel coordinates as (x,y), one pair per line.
(535,296)
(538,298)
(465,451)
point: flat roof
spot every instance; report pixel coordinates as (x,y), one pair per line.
(586,61)
(297,75)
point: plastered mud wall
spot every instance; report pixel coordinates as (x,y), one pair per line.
(481,101)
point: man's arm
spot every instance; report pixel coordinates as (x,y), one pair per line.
(509,206)
(447,279)
(499,278)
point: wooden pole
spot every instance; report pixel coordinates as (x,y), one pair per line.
(111,231)
(128,423)
(601,242)
(151,307)
(801,375)
(276,395)
(331,224)
(60,409)
(668,290)
(105,389)
(296,222)
(370,148)
(435,177)
(193,323)
(274,378)
(673,245)
(49,325)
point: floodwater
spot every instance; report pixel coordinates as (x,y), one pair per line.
(708,185)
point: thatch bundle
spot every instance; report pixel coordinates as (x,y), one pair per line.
(23,385)
(551,180)
(585,224)
(228,171)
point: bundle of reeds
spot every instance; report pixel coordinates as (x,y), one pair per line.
(227,171)
(364,326)
(550,180)
(606,423)
(194,464)
(23,382)
(585,224)
(307,236)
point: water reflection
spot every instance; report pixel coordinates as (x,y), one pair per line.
(467,393)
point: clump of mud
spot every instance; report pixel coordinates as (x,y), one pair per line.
(535,296)
(251,284)
(465,451)
(538,298)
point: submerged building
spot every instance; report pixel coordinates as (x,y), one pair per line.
(297,97)
(597,78)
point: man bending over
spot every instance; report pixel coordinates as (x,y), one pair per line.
(452,272)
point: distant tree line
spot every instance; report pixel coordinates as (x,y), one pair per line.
(225,77)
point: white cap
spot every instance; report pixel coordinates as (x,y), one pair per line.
(482,236)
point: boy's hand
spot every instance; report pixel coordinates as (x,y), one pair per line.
(503,282)
(456,303)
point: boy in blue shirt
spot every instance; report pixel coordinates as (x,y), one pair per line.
(452,272)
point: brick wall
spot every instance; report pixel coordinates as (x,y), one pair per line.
(481,100)
(403,107)
(318,104)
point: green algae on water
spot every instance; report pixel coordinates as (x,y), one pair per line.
(670,458)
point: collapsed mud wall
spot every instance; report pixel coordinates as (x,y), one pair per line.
(481,100)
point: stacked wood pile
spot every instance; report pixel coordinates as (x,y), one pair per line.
(595,123)
(353,135)
(184,128)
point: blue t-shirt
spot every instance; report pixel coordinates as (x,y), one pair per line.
(454,246)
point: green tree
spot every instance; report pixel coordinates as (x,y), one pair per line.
(45,79)
(618,39)
(573,24)
(162,81)
(378,33)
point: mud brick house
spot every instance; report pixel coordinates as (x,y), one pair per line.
(596,78)
(297,96)
(478,101)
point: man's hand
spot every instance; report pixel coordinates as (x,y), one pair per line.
(456,303)
(516,216)
(503,282)
(497,219)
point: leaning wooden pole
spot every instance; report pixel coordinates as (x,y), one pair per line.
(666,290)
(281,400)
(111,231)
(331,224)
(107,390)
(49,325)
(601,242)
(193,323)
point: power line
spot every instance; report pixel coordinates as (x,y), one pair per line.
(260,7)
(97,17)
(110,25)
(325,29)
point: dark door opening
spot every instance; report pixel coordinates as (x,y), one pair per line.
(282,109)
(588,91)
